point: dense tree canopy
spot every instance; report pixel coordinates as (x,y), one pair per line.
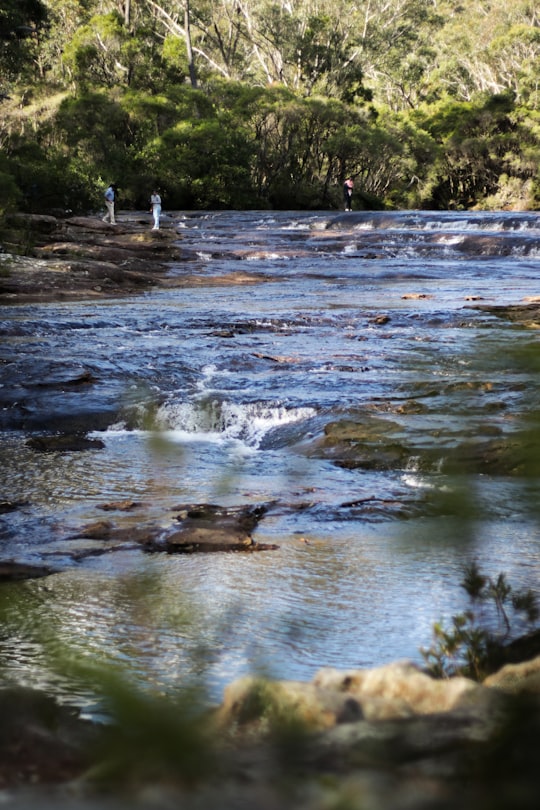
(20,24)
(242,103)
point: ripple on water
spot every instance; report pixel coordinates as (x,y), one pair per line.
(220,393)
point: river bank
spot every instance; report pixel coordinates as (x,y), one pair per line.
(49,259)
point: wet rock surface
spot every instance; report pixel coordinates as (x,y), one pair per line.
(46,259)
(49,259)
(527,313)
(64,443)
(191,529)
(370,442)
(11,571)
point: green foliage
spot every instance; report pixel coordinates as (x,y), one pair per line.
(96,133)
(149,739)
(479,143)
(95,54)
(20,20)
(473,640)
(10,194)
(282,115)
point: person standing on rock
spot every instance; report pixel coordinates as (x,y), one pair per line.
(110,196)
(155,208)
(347,193)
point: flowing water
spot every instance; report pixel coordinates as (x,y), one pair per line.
(220,392)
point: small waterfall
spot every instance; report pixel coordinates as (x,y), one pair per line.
(215,420)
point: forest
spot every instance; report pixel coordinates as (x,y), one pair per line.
(270,104)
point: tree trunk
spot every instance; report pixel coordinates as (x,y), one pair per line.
(191,63)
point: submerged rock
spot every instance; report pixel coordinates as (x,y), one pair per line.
(208,527)
(14,571)
(202,528)
(63,444)
(527,313)
(364,441)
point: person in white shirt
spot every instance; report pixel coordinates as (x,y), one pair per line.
(110,196)
(155,203)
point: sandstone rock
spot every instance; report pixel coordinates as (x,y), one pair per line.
(35,223)
(523,678)
(192,537)
(209,527)
(262,704)
(126,505)
(395,693)
(401,688)
(527,314)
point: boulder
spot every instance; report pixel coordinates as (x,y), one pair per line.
(402,689)
(209,527)
(257,704)
(523,678)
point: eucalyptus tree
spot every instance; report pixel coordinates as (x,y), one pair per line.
(491,49)
(307,46)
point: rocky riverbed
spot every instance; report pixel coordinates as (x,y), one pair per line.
(391,737)
(47,258)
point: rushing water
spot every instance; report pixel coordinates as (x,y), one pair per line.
(218,392)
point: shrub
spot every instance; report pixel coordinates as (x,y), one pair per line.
(472,645)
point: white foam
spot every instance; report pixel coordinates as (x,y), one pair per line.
(224,421)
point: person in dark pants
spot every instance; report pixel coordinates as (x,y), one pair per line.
(347,193)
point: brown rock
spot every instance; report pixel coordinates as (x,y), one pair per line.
(126,505)
(523,678)
(255,702)
(402,688)
(63,444)
(209,527)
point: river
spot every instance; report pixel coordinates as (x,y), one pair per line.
(220,393)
